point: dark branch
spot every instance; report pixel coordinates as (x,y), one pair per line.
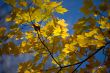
(76,68)
(91,56)
(80,63)
(37,30)
(48,50)
(59,70)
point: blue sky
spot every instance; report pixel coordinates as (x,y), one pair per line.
(73,13)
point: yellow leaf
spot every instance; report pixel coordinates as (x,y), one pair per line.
(26,71)
(61,10)
(64,35)
(8,19)
(46,0)
(65,63)
(2,31)
(104,24)
(94,71)
(98,43)
(23,3)
(23,44)
(82,40)
(50,39)
(28,35)
(91,33)
(69,48)
(57,31)
(53,4)
(12,2)
(53,62)
(99,37)
(62,23)
(64,29)
(65,50)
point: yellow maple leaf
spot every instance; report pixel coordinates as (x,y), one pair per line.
(23,3)
(12,2)
(104,24)
(46,0)
(57,31)
(91,33)
(69,48)
(2,30)
(66,62)
(26,71)
(53,62)
(64,29)
(65,50)
(98,43)
(8,19)
(82,40)
(61,10)
(53,4)
(23,44)
(64,35)
(28,35)
(99,37)
(62,23)
(50,39)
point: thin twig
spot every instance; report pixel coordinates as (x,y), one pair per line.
(76,68)
(91,55)
(48,49)
(44,43)
(81,61)
(59,70)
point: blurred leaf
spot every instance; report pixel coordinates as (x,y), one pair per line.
(61,10)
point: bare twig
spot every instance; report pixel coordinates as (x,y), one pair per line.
(80,63)
(44,43)
(76,68)
(59,70)
(92,55)
(48,50)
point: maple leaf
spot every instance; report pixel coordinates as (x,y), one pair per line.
(82,40)
(53,4)
(26,71)
(23,3)
(57,31)
(69,48)
(61,10)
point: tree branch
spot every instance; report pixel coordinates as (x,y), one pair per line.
(76,68)
(43,42)
(91,55)
(80,63)
(48,50)
(59,70)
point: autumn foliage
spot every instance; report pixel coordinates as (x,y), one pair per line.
(46,37)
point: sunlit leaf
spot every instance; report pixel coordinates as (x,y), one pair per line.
(61,10)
